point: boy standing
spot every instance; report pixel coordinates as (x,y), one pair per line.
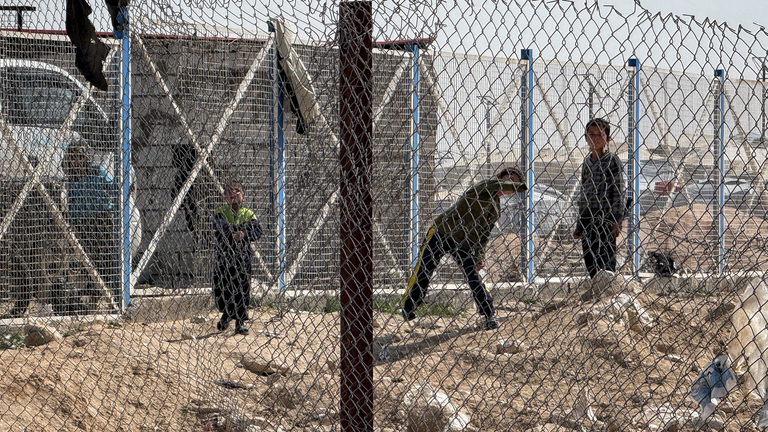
(463,231)
(601,201)
(92,208)
(234,228)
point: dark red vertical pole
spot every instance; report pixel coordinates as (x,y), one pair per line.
(356,155)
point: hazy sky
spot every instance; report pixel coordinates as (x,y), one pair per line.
(252,13)
(565,30)
(735,12)
(595,32)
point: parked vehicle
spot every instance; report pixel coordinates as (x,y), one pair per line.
(36,105)
(657,184)
(736,191)
(652,173)
(550,212)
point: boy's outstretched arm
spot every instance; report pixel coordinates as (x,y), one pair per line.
(618,206)
(222,230)
(252,230)
(510,186)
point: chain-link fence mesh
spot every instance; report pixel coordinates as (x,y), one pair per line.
(137,222)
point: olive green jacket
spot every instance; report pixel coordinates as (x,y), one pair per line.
(469,221)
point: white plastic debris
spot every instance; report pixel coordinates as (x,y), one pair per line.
(637,318)
(430,410)
(713,384)
(582,407)
(512,346)
(656,418)
(762,419)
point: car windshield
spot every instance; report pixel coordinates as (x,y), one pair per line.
(545,193)
(36,97)
(653,170)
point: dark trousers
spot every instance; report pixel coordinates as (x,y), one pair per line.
(183,158)
(27,269)
(33,247)
(433,249)
(99,238)
(599,246)
(232,292)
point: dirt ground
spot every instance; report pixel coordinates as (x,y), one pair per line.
(116,375)
(688,234)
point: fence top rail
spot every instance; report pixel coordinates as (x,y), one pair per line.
(575,65)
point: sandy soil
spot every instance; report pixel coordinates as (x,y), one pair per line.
(688,234)
(184,376)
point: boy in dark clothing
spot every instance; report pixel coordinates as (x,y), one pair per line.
(234,227)
(463,231)
(601,201)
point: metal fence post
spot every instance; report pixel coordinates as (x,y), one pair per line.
(633,166)
(277,159)
(356,215)
(528,154)
(718,150)
(125,128)
(414,220)
(763,69)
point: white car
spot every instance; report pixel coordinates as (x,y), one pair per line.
(550,209)
(36,100)
(736,191)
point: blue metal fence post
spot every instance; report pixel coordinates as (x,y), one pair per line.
(528,154)
(272,175)
(414,150)
(633,166)
(125,128)
(719,152)
(277,142)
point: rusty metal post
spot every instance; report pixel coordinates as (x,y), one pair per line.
(356,273)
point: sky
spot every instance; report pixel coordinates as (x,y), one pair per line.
(481,27)
(734,12)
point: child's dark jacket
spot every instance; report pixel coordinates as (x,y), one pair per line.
(602,190)
(231,253)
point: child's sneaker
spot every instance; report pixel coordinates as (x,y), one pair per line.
(491,323)
(222,324)
(240,330)
(409,316)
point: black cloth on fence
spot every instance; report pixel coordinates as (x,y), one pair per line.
(183,159)
(293,101)
(90,51)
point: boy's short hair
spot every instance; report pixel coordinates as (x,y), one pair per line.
(233,184)
(79,148)
(601,123)
(508,171)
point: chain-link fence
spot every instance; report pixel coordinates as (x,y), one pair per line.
(356,188)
